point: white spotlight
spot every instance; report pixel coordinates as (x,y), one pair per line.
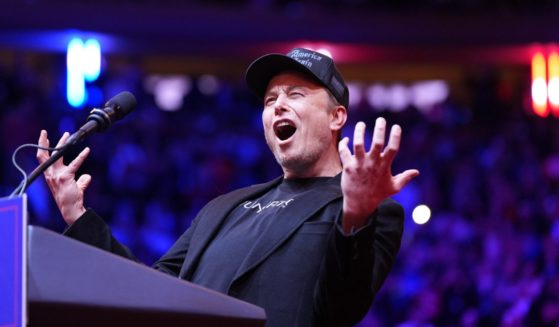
(399,97)
(426,94)
(169,91)
(421,214)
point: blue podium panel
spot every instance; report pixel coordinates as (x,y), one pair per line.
(13,218)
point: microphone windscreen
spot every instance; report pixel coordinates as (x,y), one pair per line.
(123,103)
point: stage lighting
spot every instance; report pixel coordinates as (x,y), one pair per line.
(553,82)
(421,214)
(168,91)
(539,85)
(83,63)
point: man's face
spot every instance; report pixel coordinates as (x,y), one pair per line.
(297,120)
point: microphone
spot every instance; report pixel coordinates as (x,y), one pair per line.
(98,120)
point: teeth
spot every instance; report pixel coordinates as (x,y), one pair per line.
(283,124)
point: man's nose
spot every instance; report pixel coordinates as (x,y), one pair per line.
(280,106)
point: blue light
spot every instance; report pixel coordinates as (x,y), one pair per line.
(75,89)
(92,60)
(83,63)
(75,83)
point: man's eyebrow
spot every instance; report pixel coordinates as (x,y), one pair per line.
(293,87)
(270,92)
(274,91)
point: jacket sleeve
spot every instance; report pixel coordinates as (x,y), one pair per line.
(356,266)
(93,230)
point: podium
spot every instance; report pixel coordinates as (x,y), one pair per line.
(70,283)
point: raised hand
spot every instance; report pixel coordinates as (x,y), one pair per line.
(68,192)
(367,175)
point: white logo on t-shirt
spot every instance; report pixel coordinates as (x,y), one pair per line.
(273,204)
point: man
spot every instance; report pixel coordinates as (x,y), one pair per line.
(311,247)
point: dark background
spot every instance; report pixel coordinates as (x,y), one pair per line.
(489,166)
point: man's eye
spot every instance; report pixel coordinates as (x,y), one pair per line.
(269,101)
(296,94)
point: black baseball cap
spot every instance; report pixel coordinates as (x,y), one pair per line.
(311,63)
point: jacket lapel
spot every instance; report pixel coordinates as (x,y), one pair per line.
(287,223)
(212,218)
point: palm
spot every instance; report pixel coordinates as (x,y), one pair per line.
(366,177)
(67,191)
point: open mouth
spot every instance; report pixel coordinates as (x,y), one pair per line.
(284,130)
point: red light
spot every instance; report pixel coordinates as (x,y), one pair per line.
(539,85)
(553,82)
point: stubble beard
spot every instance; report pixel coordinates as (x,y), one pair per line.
(299,162)
(303,159)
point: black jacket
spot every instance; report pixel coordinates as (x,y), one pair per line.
(305,272)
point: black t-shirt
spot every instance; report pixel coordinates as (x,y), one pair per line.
(243,227)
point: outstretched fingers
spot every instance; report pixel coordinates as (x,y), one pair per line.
(379,135)
(61,179)
(83,182)
(359,141)
(393,145)
(43,155)
(403,178)
(78,161)
(60,143)
(62,140)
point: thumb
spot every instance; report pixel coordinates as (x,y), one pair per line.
(405,177)
(83,182)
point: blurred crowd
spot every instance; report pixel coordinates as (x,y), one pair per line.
(488,256)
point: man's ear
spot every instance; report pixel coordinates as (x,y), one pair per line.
(338,118)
